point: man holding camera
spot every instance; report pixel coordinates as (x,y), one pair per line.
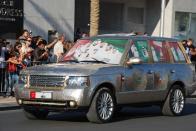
(40,54)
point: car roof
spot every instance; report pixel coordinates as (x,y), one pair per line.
(132,36)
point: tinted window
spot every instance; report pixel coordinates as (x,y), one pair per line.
(140,49)
(177,54)
(159,51)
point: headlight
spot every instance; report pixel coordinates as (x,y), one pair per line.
(23,79)
(74,81)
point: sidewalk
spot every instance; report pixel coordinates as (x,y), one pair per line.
(8,103)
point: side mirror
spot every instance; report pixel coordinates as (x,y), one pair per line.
(134,61)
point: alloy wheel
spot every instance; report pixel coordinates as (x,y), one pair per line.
(177,101)
(105,106)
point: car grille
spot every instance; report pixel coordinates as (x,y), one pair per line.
(47,81)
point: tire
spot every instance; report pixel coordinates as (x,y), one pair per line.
(102,107)
(175,102)
(35,114)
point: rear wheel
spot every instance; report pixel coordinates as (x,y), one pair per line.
(35,114)
(102,107)
(175,102)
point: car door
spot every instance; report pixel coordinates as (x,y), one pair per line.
(161,59)
(139,77)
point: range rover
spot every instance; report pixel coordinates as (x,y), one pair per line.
(104,73)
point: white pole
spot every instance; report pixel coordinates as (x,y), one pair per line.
(162,18)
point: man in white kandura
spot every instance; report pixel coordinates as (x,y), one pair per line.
(58,48)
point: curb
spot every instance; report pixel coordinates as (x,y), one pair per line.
(8,104)
(6,108)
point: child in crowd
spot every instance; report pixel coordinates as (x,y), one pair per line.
(12,72)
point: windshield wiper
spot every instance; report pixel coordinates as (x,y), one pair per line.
(102,62)
(75,61)
(95,61)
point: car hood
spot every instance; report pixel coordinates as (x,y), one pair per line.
(69,69)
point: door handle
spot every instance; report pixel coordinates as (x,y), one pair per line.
(150,72)
(172,71)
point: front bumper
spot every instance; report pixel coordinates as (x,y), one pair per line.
(61,98)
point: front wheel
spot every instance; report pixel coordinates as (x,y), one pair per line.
(102,107)
(175,102)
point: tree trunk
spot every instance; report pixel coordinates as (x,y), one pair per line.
(94,17)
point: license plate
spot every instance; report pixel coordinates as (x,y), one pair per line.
(43,95)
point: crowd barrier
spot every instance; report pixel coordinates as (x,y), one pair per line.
(4,76)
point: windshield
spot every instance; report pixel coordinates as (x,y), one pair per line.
(103,50)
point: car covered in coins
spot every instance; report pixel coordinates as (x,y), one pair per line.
(102,74)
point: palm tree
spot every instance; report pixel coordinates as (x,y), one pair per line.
(94,17)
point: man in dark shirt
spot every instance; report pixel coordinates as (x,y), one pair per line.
(40,54)
(192,51)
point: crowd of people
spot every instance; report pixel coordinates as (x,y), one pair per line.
(28,50)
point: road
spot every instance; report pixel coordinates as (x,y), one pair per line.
(130,119)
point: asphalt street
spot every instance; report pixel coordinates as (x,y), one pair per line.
(130,119)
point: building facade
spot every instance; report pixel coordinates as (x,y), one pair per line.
(42,16)
(11,18)
(116,16)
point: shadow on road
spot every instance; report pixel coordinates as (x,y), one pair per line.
(125,114)
(190,109)
(69,116)
(135,113)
